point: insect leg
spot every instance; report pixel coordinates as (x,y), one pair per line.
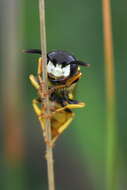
(69,98)
(33,79)
(40,62)
(71,106)
(40,112)
(34,82)
(61,119)
(73,79)
(61,126)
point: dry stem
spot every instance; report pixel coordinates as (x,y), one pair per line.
(110,90)
(49,151)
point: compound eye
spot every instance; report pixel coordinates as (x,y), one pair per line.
(66,71)
(50,67)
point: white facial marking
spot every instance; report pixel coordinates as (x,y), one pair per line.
(50,67)
(66,70)
(57,70)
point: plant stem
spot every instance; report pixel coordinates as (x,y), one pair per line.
(49,149)
(110,93)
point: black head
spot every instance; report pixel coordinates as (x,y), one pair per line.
(61,64)
(65,61)
(61,57)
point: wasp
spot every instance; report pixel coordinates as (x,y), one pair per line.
(63,72)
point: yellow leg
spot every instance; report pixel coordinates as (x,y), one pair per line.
(39,71)
(33,79)
(34,82)
(42,119)
(74,78)
(39,112)
(60,122)
(40,62)
(36,107)
(62,119)
(71,106)
(63,127)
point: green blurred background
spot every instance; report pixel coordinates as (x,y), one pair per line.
(80,153)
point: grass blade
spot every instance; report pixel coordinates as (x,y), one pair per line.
(110,95)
